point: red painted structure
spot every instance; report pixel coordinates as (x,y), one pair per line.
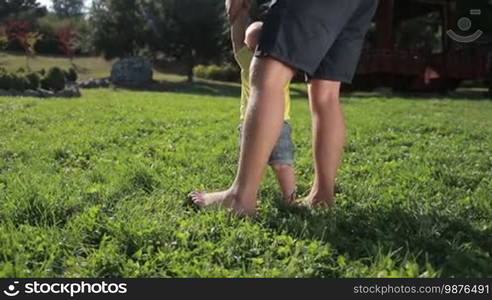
(410,69)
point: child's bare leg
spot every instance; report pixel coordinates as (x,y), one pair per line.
(287,180)
(262,128)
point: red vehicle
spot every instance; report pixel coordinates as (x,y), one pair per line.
(442,67)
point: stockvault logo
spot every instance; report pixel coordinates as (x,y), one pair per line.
(11,290)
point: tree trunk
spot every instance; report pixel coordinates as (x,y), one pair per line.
(191,65)
(28,65)
(72,63)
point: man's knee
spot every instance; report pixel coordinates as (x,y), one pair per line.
(324,93)
(267,72)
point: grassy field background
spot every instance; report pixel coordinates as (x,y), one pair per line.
(96,187)
(87,67)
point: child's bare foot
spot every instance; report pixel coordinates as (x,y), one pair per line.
(287,180)
(225,199)
(291,200)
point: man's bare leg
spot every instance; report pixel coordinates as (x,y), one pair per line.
(329,136)
(262,128)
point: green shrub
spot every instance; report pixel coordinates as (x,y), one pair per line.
(21,83)
(214,72)
(16,82)
(54,80)
(71,75)
(4,42)
(34,81)
(4,81)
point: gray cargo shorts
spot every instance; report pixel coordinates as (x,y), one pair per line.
(284,151)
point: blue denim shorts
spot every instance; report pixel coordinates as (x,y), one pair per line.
(284,151)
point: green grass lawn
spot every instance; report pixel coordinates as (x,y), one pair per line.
(96,187)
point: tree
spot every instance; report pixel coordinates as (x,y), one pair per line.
(21,32)
(16,8)
(4,40)
(190,30)
(198,32)
(68,39)
(187,29)
(17,28)
(29,42)
(68,8)
(117,27)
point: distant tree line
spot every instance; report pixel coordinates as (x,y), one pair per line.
(20,8)
(191,31)
(68,8)
(21,18)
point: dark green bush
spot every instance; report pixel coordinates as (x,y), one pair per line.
(71,75)
(214,72)
(34,81)
(16,82)
(4,81)
(54,80)
(21,83)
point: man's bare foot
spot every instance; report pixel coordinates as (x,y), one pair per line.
(225,199)
(317,201)
(204,199)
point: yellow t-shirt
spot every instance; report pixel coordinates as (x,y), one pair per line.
(244,57)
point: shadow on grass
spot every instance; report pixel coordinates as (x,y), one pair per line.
(205,88)
(199,87)
(450,244)
(458,95)
(297,90)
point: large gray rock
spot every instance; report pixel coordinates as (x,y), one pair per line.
(132,71)
(31,93)
(46,93)
(69,92)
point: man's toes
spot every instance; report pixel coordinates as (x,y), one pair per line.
(324,204)
(197,197)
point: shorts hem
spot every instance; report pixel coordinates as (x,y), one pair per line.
(281,58)
(341,78)
(281,162)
